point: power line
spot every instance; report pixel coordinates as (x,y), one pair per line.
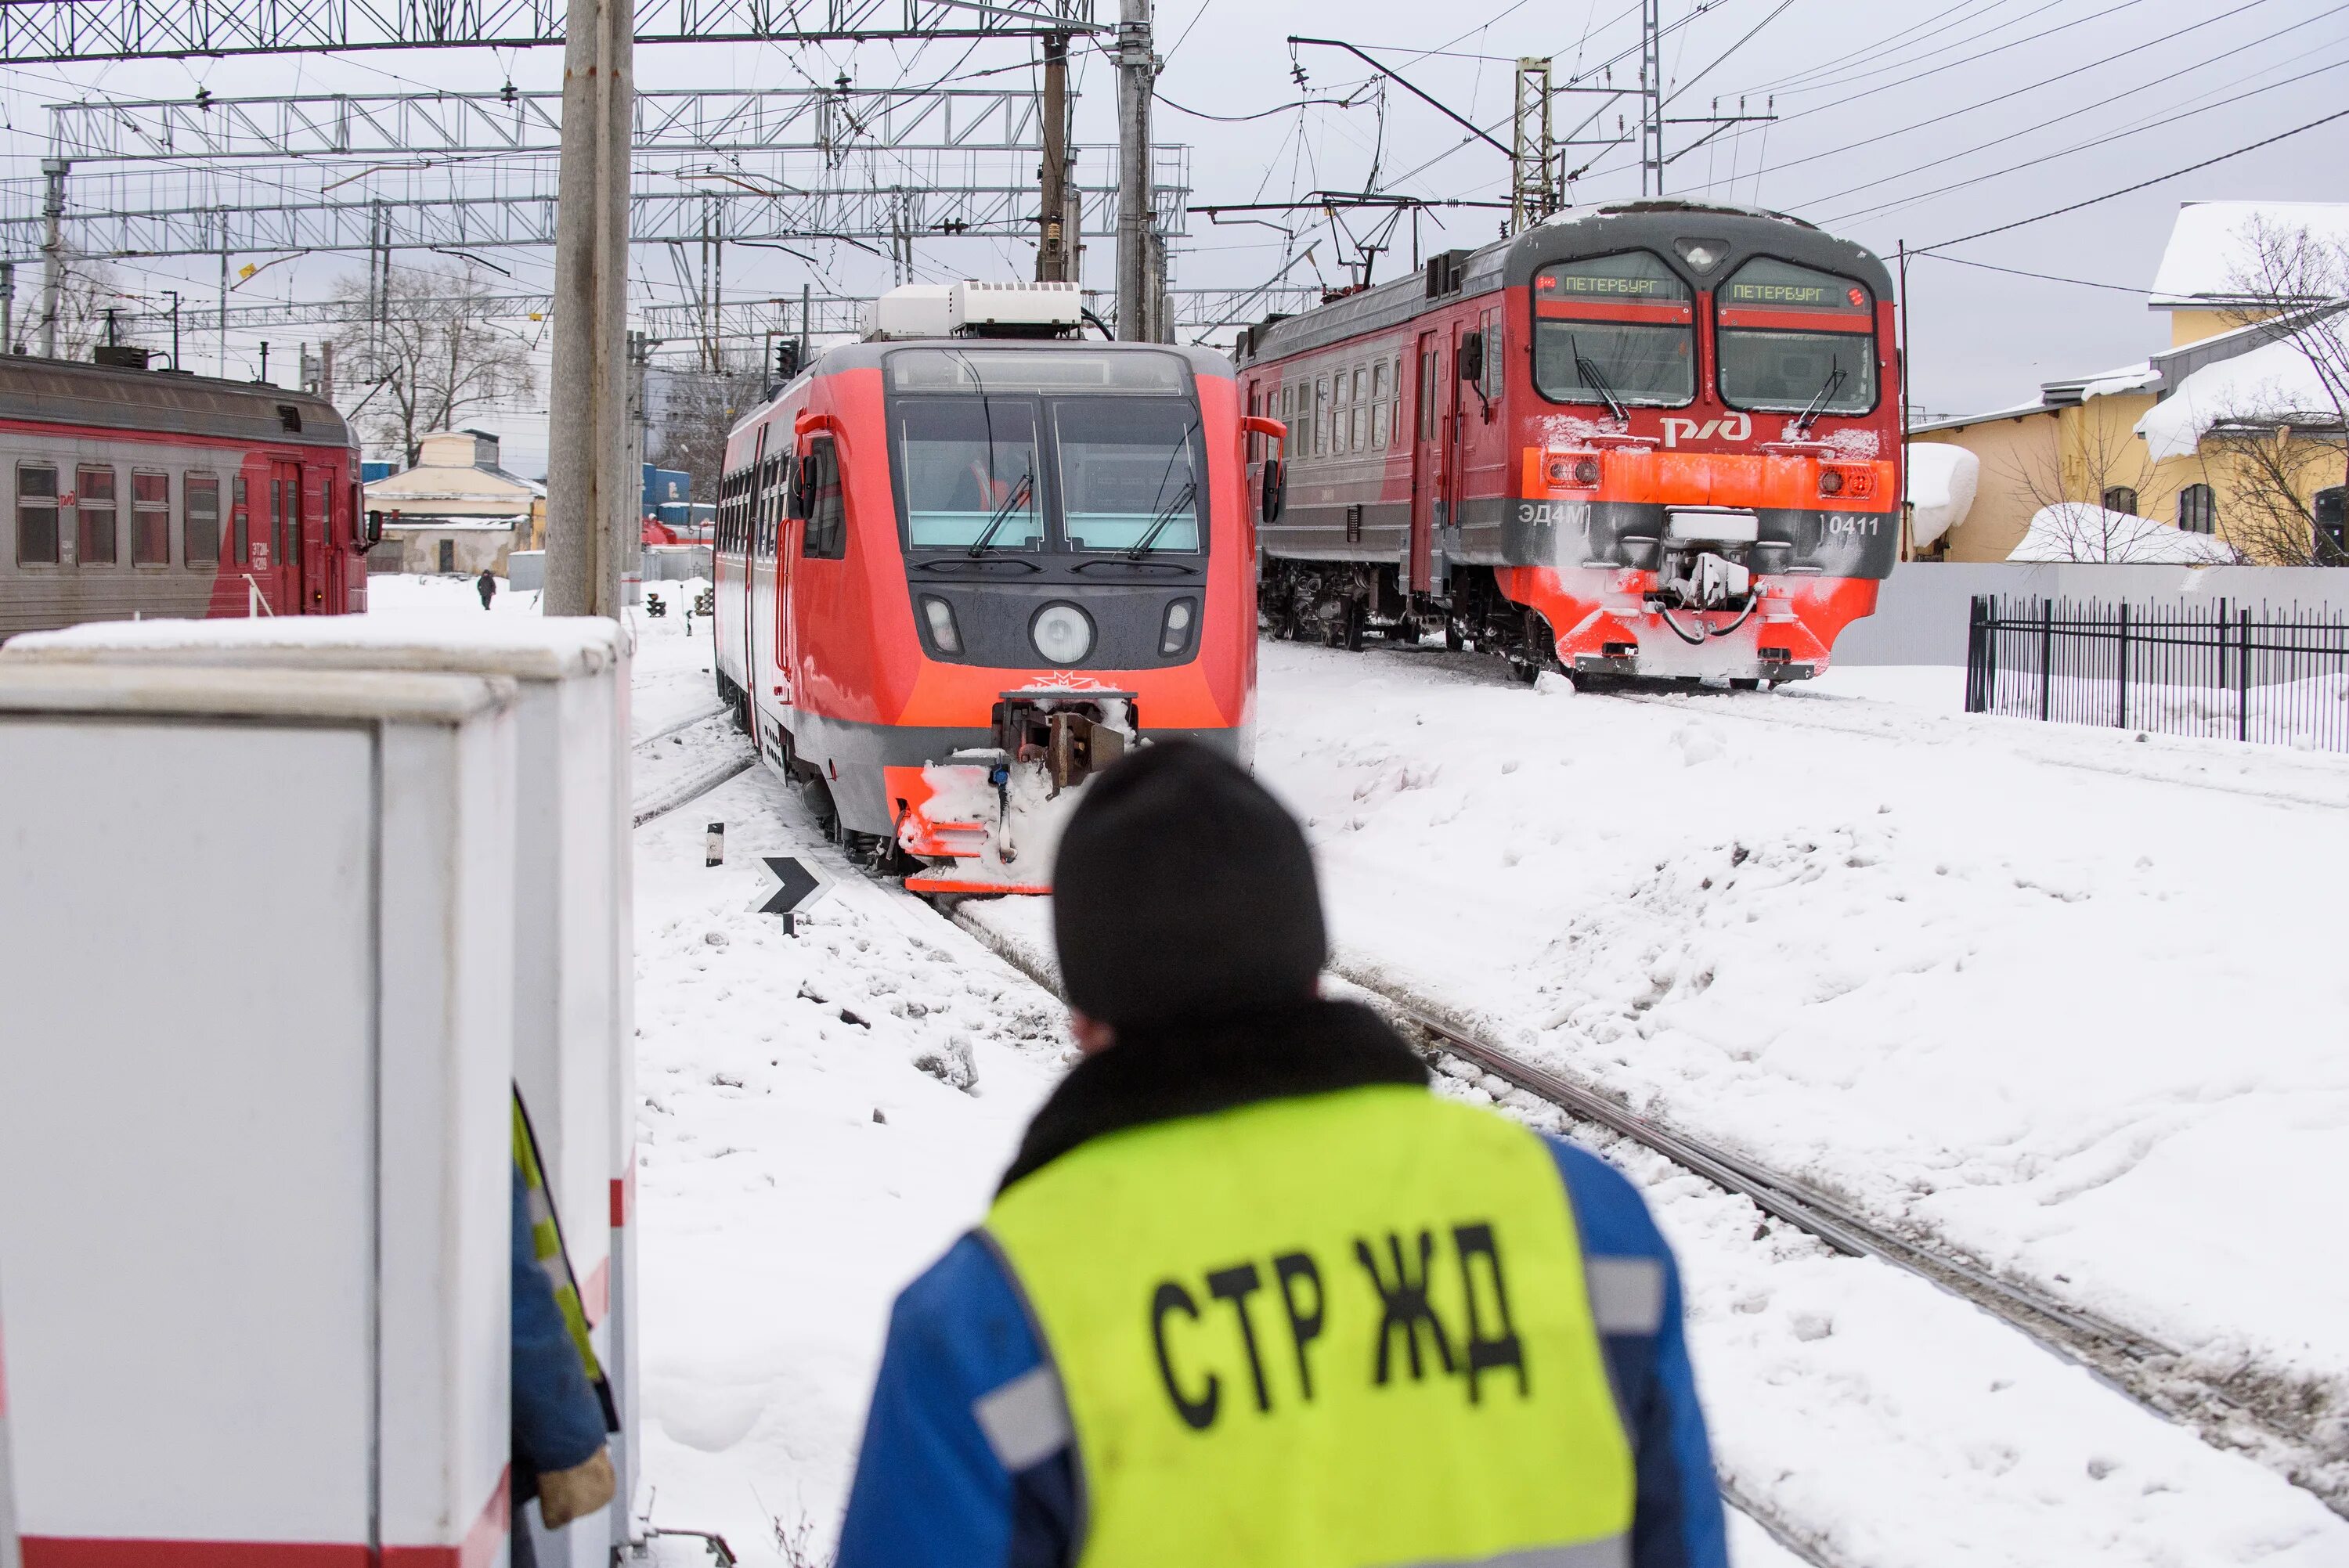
(2043,277)
(2154,122)
(2140,185)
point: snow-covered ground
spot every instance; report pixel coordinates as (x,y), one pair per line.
(2064,1000)
(2009,985)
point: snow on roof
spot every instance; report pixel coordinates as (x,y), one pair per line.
(2077,531)
(1942,478)
(2210,254)
(2275,384)
(2142,376)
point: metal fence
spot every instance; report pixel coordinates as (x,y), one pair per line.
(2226,671)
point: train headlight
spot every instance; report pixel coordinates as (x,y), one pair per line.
(1174,635)
(944,635)
(1062,633)
(1830,482)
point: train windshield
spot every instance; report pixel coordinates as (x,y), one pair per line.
(1616,331)
(1130,473)
(967,472)
(1791,340)
(1045,452)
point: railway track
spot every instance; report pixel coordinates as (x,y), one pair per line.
(685,792)
(2155,1376)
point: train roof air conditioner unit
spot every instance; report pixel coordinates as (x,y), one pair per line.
(910,310)
(1015,310)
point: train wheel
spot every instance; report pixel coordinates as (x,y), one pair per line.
(1453,639)
(1350,628)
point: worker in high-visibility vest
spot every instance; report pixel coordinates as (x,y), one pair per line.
(561,1401)
(1250,1294)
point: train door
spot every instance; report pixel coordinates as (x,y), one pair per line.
(1427,465)
(285,537)
(316,528)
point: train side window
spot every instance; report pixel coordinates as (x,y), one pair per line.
(98,514)
(199,518)
(1494,363)
(1379,406)
(827,529)
(1358,434)
(1426,396)
(36,515)
(150,518)
(1395,398)
(1321,415)
(242,551)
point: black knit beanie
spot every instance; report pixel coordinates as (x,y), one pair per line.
(1183,892)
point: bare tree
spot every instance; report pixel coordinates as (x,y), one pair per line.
(426,355)
(2287,440)
(89,289)
(690,413)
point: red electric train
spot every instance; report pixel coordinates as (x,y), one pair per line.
(1659,440)
(967,561)
(144,493)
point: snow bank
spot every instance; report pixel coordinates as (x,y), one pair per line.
(2075,530)
(1943,479)
(2211,256)
(2273,382)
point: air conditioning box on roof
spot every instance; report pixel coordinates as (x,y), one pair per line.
(910,310)
(1014,310)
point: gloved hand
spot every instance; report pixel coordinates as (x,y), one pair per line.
(566,1495)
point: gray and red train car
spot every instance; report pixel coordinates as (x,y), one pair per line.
(1660,440)
(144,493)
(963,564)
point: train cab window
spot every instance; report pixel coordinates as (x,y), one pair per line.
(969,472)
(827,523)
(241,551)
(97,512)
(36,515)
(1617,330)
(199,518)
(1793,340)
(1130,474)
(1496,366)
(150,519)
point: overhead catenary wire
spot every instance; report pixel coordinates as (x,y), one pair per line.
(2140,185)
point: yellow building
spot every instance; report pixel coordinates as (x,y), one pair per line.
(2228,433)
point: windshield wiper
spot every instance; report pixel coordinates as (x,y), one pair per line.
(986,540)
(1592,377)
(1167,514)
(1833,384)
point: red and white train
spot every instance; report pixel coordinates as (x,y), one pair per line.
(964,562)
(135,492)
(1659,440)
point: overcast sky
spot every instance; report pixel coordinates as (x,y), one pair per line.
(1925,121)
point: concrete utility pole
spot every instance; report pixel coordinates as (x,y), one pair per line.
(1136,79)
(591,496)
(53,251)
(1052,245)
(1651,98)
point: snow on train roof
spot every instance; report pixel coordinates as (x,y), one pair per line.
(2212,254)
(529,647)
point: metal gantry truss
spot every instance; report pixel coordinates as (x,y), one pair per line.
(51,31)
(739,321)
(795,195)
(829,120)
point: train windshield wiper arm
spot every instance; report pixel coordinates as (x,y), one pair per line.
(1827,389)
(1019,492)
(1167,514)
(1595,378)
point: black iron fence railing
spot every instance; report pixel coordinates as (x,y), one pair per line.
(2232,672)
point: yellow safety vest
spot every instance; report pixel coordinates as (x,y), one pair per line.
(1335,1331)
(555,1258)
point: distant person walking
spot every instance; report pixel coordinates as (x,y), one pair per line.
(487,585)
(1250,1294)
